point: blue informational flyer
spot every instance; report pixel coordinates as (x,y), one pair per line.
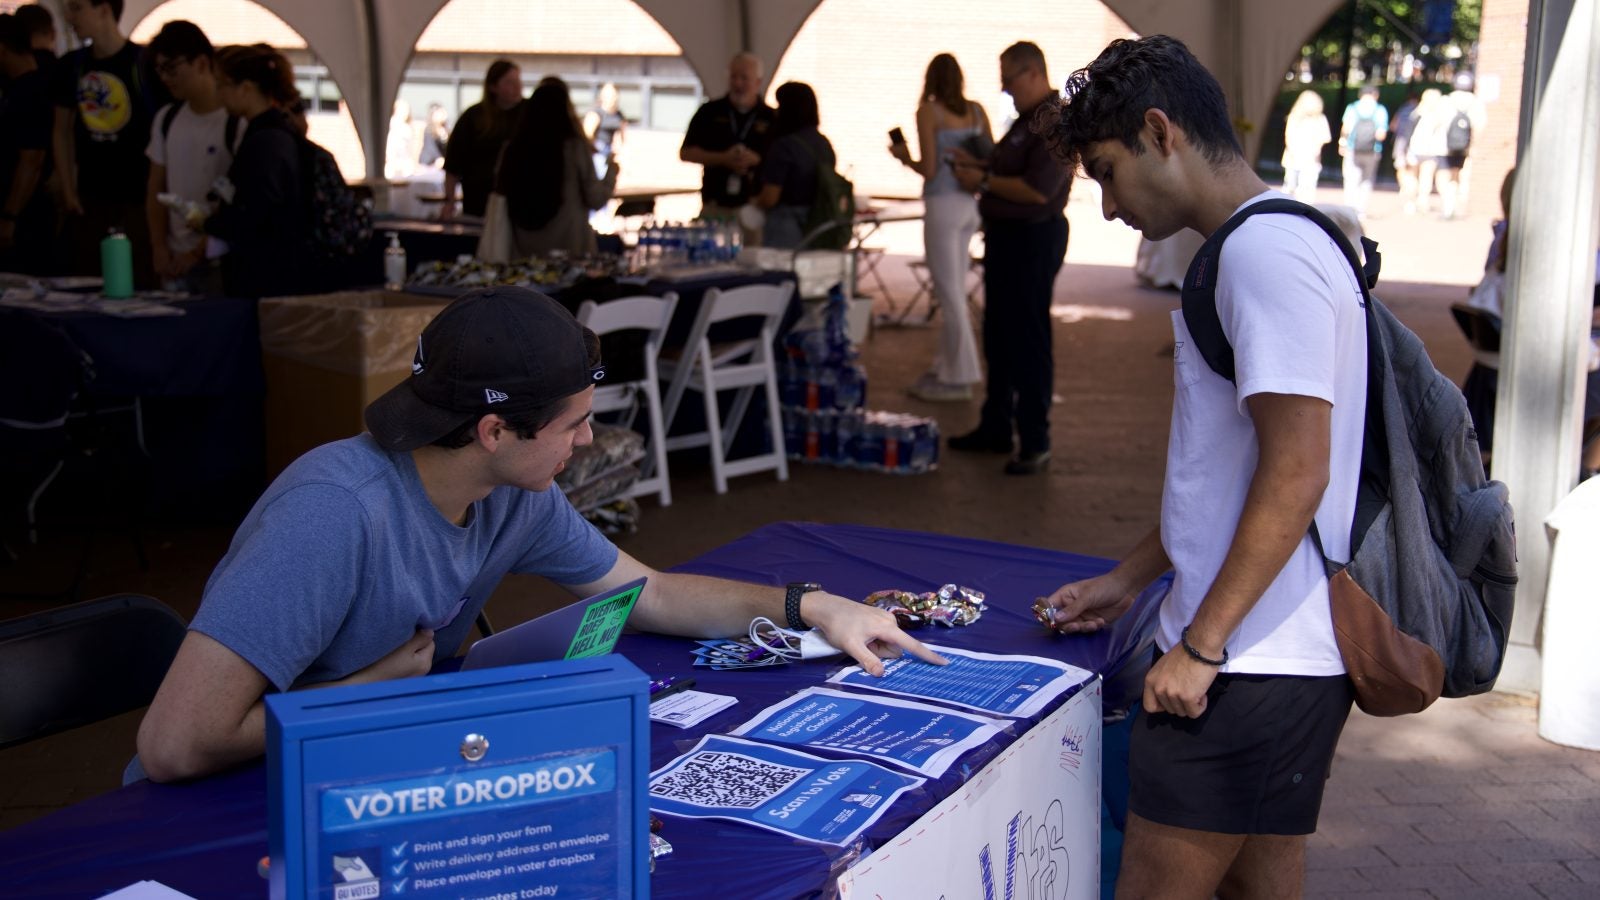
(1019,686)
(918,736)
(804,796)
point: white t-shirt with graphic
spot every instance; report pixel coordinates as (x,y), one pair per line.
(1290,305)
(196,153)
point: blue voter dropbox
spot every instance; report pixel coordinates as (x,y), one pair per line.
(516,782)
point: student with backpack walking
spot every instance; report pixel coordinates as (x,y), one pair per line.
(1361,137)
(790,171)
(191,146)
(1220,794)
(1461,116)
(264,214)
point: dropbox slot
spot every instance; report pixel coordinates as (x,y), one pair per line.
(522,781)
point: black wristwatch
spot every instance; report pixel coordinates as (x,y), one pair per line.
(791,602)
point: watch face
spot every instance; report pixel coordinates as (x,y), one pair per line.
(805,587)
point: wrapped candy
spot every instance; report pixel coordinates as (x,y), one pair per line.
(950,605)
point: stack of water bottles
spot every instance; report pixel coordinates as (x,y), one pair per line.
(823,391)
(697,243)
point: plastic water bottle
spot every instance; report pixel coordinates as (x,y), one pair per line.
(838,326)
(394,264)
(116,265)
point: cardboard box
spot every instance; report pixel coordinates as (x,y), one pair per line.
(327,356)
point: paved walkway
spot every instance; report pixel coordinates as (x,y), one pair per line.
(1463,801)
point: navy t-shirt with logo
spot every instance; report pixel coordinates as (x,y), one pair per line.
(115,100)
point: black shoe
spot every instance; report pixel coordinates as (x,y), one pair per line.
(1028,463)
(980,441)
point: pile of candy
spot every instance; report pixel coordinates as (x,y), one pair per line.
(949,606)
(556,270)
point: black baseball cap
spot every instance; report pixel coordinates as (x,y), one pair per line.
(502,350)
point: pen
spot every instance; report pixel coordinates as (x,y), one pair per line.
(659,689)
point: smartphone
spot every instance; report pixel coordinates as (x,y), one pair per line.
(896,136)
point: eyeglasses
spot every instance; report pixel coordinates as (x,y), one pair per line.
(1009,78)
(170,67)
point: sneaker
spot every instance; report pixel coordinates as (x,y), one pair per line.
(1028,463)
(980,441)
(935,391)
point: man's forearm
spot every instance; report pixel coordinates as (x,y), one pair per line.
(63,144)
(1146,562)
(1014,188)
(702,157)
(702,606)
(171,756)
(30,164)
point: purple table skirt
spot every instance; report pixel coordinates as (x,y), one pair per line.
(204,838)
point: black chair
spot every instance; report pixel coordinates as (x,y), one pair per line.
(59,444)
(79,664)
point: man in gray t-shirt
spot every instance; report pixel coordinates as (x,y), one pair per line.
(369,558)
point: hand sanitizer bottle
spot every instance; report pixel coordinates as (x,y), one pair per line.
(394,264)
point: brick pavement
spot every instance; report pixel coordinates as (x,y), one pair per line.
(1462,801)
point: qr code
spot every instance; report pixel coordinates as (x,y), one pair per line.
(729,780)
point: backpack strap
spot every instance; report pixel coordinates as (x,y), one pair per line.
(167,119)
(231,133)
(1200,284)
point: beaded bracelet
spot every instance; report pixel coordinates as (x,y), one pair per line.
(1184,640)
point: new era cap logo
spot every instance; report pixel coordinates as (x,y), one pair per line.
(493,396)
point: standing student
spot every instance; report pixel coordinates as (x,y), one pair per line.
(264,219)
(106,97)
(1023,192)
(1243,707)
(27,217)
(1305,133)
(789,172)
(946,119)
(548,179)
(480,134)
(191,146)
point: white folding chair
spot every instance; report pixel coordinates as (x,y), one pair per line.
(743,365)
(651,315)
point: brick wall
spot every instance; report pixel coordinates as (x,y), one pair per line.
(1501,43)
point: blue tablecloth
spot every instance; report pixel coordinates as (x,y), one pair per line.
(204,838)
(200,383)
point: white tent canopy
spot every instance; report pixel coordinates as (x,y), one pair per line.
(367,44)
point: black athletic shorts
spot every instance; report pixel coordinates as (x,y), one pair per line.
(1255,762)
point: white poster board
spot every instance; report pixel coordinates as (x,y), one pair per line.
(1027,826)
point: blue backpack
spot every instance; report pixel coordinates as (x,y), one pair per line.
(1423,606)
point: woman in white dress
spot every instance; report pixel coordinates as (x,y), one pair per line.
(945,120)
(1305,133)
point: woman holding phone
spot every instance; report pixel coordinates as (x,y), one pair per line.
(946,120)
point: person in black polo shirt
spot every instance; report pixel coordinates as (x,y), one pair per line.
(473,149)
(729,136)
(106,97)
(1024,190)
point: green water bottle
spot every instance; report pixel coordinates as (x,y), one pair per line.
(116,266)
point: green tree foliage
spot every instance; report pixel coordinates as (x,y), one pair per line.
(1382,26)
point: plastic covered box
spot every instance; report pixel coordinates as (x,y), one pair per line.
(327,356)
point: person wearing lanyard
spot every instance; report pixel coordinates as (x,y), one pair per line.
(729,136)
(1023,191)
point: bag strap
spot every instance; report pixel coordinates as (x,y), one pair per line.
(167,120)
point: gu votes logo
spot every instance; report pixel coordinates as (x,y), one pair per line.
(105,104)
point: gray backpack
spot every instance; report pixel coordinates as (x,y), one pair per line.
(1423,607)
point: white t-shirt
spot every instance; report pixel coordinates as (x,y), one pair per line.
(195,153)
(1290,305)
